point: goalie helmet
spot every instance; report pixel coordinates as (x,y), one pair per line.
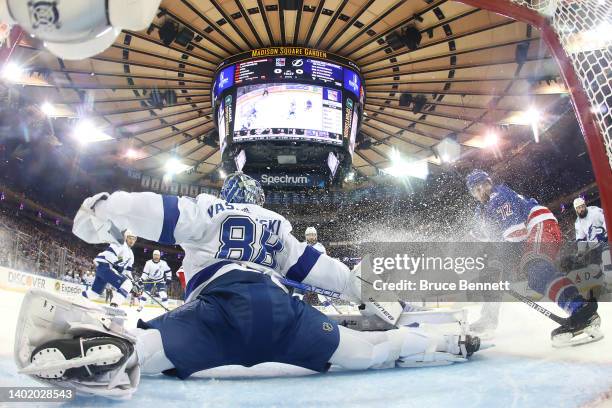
(242,189)
(78,29)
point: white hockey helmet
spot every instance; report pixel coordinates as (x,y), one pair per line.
(78,29)
(311,231)
(578,201)
(129,233)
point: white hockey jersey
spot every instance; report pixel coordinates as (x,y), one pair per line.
(591,228)
(119,256)
(219,237)
(156,271)
(319,247)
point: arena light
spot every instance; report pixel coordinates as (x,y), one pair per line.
(12,72)
(48,109)
(403,168)
(222,173)
(86,132)
(491,139)
(533,117)
(174,166)
(597,38)
(133,154)
(448,150)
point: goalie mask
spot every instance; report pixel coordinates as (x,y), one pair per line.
(241,189)
(78,29)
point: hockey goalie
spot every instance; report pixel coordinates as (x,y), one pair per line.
(236,312)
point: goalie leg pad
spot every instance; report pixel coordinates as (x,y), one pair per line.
(45,317)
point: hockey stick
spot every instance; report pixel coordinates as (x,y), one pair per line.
(309,288)
(535,306)
(118,235)
(136,285)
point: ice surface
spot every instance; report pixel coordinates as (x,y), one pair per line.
(523,370)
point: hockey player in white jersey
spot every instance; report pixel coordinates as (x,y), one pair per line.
(236,311)
(312,240)
(156,276)
(590,225)
(114,266)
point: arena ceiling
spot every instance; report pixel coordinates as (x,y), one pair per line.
(477,70)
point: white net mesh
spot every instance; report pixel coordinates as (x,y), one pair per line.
(584,28)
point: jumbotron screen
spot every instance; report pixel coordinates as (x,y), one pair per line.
(288,93)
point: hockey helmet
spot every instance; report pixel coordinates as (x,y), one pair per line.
(578,201)
(78,29)
(475,178)
(242,189)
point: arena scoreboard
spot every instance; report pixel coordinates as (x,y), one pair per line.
(291,94)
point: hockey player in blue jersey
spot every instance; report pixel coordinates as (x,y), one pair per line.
(502,215)
(114,266)
(236,311)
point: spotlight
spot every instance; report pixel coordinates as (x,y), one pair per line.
(131,154)
(47,109)
(168,32)
(291,5)
(184,37)
(491,139)
(174,166)
(86,132)
(521,52)
(401,168)
(419,103)
(12,72)
(411,36)
(405,99)
(532,115)
(448,150)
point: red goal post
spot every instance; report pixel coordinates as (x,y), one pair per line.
(585,72)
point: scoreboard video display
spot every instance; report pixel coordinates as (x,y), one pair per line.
(288,93)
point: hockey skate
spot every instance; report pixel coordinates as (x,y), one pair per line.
(582,327)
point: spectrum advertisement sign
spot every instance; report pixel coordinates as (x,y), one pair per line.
(289,180)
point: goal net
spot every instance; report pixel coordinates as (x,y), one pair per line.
(579,36)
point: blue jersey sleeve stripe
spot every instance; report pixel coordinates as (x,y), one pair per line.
(304,264)
(171,216)
(110,249)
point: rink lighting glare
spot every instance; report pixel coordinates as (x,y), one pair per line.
(491,139)
(533,118)
(12,72)
(222,173)
(86,132)
(47,109)
(174,166)
(131,154)
(402,168)
(532,115)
